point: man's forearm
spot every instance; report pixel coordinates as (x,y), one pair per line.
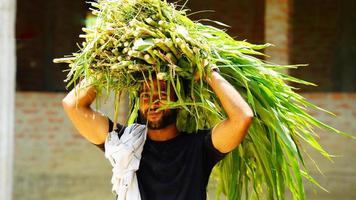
(234,105)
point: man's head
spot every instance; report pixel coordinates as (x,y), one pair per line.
(149,113)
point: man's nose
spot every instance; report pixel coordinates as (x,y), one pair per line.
(156,97)
(155,100)
(155,105)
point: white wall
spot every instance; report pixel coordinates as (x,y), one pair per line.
(7,91)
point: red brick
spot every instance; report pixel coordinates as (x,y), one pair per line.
(19,104)
(344,106)
(27,95)
(29,110)
(314,113)
(55,120)
(70,143)
(51,136)
(315,95)
(351,96)
(50,95)
(35,120)
(51,112)
(337,113)
(76,136)
(34,104)
(35,136)
(337,96)
(20,135)
(354,114)
(56,104)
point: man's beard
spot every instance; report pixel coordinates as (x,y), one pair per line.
(167,118)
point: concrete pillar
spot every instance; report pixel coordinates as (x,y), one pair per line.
(277,30)
(7,92)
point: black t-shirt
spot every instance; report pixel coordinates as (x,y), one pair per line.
(177,169)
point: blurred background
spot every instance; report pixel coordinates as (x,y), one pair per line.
(42,155)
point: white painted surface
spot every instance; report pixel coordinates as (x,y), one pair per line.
(7,92)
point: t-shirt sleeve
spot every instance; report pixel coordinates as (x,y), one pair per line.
(211,154)
(119,130)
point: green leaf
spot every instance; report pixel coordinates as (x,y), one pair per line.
(143,45)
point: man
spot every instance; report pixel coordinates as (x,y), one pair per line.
(173,165)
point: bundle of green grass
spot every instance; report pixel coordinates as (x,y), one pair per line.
(133,40)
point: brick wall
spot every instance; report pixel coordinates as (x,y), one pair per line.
(323,36)
(318,33)
(277,30)
(305,32)
(339,175)
(246,23)
(53,162)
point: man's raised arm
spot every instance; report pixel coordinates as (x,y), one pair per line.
(91,125)
(229,133)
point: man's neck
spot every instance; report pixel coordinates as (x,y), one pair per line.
(163,134)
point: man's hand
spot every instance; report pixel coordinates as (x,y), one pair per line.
(198,75)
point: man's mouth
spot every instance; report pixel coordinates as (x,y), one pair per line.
(154,113)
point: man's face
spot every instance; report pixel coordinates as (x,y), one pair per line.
(148,107)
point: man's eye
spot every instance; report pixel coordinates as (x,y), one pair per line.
(163,95)
(145,96)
